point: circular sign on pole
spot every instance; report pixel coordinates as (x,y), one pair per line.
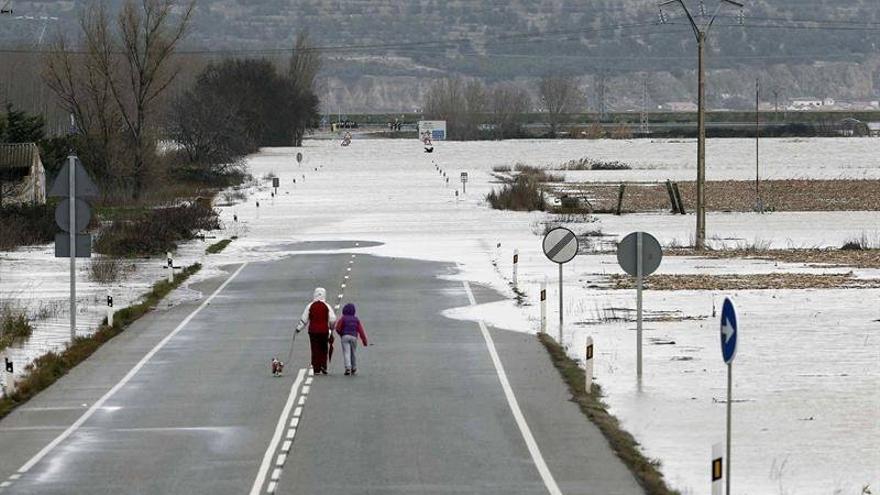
(83,215)
(728,330)
(560,245)
(627,254)
(299,157)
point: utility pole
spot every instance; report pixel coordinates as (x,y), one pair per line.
(759,206)
(701,32)
(644,128)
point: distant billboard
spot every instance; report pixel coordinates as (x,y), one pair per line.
(435,129)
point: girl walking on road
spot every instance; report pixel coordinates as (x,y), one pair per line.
(319,317)
(349,328)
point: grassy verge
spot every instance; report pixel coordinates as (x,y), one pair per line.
(45,370)
(218,246)
(156,231)
(624,445)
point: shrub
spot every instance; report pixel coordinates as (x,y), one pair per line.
(156,231)
(14,325)
(587,163)
(538,174)
(25,225)
(108,269)
(523,194)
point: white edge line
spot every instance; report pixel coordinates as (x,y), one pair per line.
(535,452)
(276,437)
(128,376)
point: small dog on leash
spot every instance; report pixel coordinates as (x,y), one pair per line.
(277,367)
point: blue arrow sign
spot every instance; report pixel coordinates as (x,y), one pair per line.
(728,331)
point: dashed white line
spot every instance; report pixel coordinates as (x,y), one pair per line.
(285,447)
(276,474)
(297,412)
(125,379)
(306,389)
(294,422)
(290,433)
(524,429)
(302,400)
(271,488)
(281,459)
(276,437)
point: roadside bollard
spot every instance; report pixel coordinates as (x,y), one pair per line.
(9,378)
(170,264)
(109,309)
(588,366)
(515,263)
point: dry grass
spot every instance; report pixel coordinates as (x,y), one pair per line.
(747,282)
(777,195)
(645,470)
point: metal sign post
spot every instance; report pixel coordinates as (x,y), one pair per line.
(560,246)
(72,231)
(73,215)
(639,255)
(729,331)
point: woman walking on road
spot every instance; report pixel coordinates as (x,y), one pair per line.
(349,328)
(319,317)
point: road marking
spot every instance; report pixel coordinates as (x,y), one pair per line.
(297,412)
(294,422)
(281,458)
(276,474)
(535,452)
(271,488)
(302,400)
(276,437)
(286,446)
(305,390)
(128,376)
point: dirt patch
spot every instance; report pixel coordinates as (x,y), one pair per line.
(739,196)
(748,282)
(869,258)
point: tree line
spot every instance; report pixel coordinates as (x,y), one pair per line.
(474,111)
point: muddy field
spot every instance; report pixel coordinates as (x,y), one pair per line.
(738,196)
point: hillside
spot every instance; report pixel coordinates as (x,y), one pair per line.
(389,50)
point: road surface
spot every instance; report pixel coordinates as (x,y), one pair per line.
(183,402)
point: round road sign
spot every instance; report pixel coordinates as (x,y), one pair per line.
(729,330)
(560,245)
(627,252)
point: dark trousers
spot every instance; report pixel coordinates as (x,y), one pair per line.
(319,342)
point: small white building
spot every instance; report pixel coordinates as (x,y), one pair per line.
(22,176)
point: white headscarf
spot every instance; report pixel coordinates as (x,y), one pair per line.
(320,294)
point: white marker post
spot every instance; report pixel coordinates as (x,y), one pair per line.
(109,309)
(515,264)
(544,305)
(717,469)
(170,262)
(588,366)
(9,377)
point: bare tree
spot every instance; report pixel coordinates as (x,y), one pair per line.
(305,64)
(462,105)
(559,94)
(135,60)
(85,94)
(507,102)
